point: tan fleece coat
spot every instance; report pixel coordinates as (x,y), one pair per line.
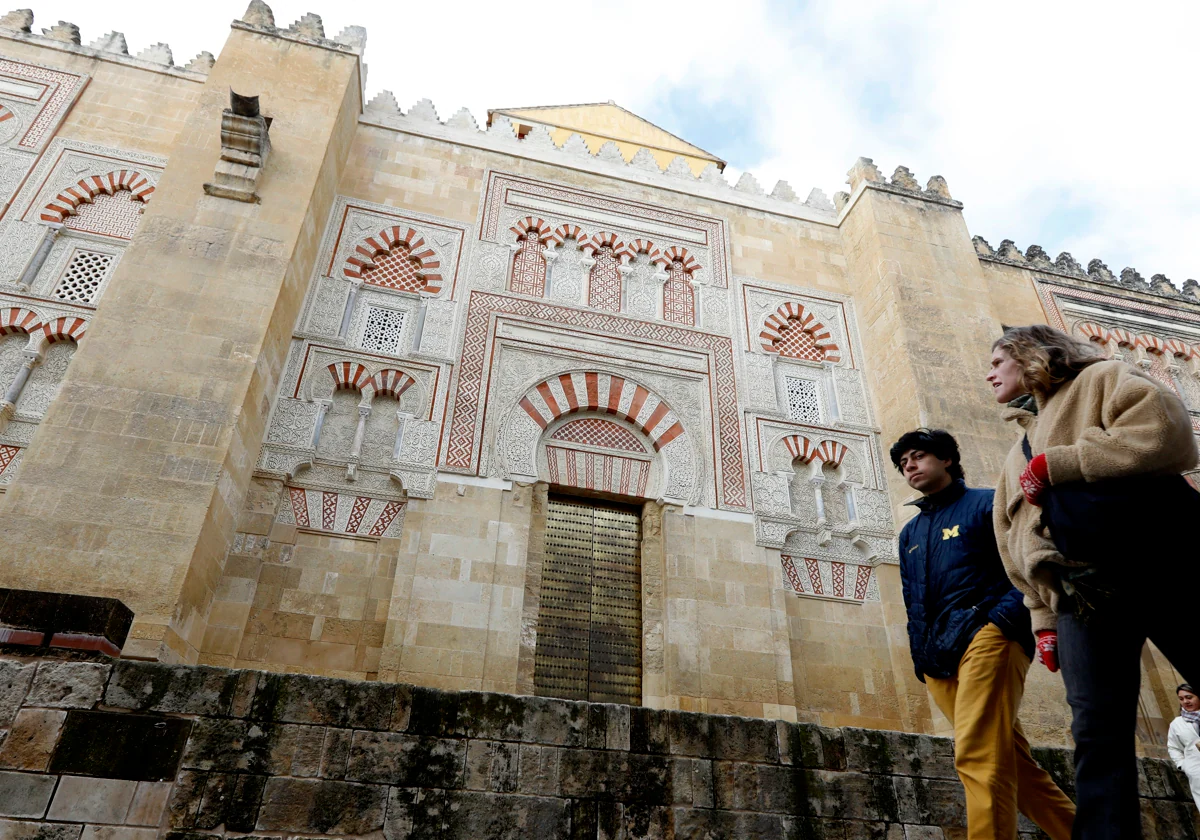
(1111,421)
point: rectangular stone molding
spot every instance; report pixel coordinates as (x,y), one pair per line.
(134,479)
(201,752)
(55,619)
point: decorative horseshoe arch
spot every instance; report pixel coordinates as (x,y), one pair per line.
(396,258)
(67,202)
(789,327)
(535,419)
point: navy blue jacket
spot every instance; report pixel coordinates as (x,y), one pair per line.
(954,582)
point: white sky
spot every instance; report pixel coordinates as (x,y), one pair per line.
(1070,125)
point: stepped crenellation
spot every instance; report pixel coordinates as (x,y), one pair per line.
(902,181)
(64,34)
(384,107)
(1066,265)
(309,28)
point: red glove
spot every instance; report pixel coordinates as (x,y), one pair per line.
(1035,479)
(1047,649)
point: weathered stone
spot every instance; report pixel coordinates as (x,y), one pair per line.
(648,730)
(646,822)
(31,739)
(294,698)
(177,689)
(705,823)
(120,746)
(310,748)
(899,753)
(24,794)
(406,760)
(744,739)
(415,813)
(91,800)
(491,815)
(492,766)
(628,777)
(231,800)
(15,678)
(799,744)
(337,753)
(539,770)
(28,830)
(68,685)
(184,804)
(325,807)
(930,802)
(240,746)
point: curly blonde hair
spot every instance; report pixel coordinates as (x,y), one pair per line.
(1048,357)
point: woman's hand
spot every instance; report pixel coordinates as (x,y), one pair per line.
(1047,650)
(1035,479)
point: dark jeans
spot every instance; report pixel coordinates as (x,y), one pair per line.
(1101,666)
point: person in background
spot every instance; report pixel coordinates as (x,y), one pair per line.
(1092,516)
(971,641)
(1183,738)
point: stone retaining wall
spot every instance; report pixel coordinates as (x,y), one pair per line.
(95,750)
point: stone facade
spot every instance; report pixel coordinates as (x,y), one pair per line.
(138,750)
(348,355)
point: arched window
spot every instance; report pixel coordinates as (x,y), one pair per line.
(528,276)
(395,269)
(679,299)
(604,280)
(795,333)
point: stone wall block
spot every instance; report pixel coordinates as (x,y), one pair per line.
(32,739)
(742,786)
(694,822)
(1060,764)
(232,800)
(648,730)
(406,760)
(800,744)
(900,753)
(617,735)
(336,756)
(930,802)
(690,733)
(84,799)
(176,689)
(487,715)
(318,806)
(310,748)
(241,746)
(68,685)
(1159,779)
(646,822)
(149,803)
(627,777)
(539,770)
(597,729)
(415,814)
(492,766)
(560,723)
(493,815)
(433,712)
(833,748)
(184,803)
(401,707)
(243,693)
(296,698)
(120,745)
(24,830)
(744,739)
(584,821)
(24,794)
(15,677)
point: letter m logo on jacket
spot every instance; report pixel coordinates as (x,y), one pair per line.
(947,533)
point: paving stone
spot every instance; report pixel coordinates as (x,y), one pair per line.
(25,794)
(15,678)
(68,685)
(27,830)
(406,761)
(177,689)
(32,739)
(83,799)
(321,806)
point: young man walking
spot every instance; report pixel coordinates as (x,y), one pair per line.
(971,641)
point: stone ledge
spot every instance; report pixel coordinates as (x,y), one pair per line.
(248,751)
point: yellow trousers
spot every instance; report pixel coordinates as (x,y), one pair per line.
(991,754)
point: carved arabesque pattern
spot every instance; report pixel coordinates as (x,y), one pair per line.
(679,300)
(529,268)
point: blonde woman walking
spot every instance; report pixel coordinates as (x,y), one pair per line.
(1092,518)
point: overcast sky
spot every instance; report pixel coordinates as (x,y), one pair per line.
(1070,125)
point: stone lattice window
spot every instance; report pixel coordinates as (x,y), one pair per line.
(803,403)
(109,215)
(604,281)
(795,342)
(606,434)
(395,270)
(383,330)
(679,300)
(82,277)
(529,268)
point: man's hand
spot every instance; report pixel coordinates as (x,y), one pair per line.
(1035,479)
(1047,650)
